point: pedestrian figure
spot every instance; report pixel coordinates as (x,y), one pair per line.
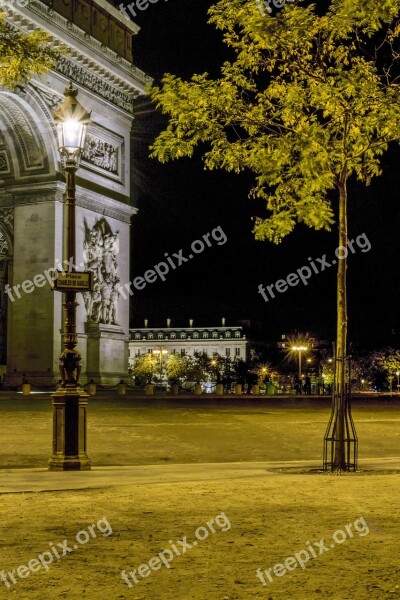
(298,386)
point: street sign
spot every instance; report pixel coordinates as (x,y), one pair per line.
(81,281)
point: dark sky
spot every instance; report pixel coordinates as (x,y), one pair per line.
(179,202)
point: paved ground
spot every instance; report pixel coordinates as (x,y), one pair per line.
(39,480)
(138,431)
(250,468)
(258,521)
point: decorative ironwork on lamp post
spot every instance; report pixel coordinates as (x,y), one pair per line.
(70,400)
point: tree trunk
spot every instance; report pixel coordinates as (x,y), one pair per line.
(341,334)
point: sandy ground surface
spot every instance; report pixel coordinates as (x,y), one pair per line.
(266,521)
(134,432)
(265,515)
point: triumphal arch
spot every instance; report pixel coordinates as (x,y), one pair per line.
(32,193)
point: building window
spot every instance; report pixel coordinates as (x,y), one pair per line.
(150,351)
(183,352)
(237,334)
(160,336)
(183,335)
(137,336)
(205,334)
(195,335)
(150,336)
(215,334)
(227,351)
(237,351)
(173,351)
(137,352)
(173,336)
(227,334)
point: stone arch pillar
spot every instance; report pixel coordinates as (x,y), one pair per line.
(32,184)
(30,221)
(5,266)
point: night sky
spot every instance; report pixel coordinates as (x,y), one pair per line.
(179,202)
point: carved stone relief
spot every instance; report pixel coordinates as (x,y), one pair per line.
(94,83)
(101,247)
(3,246)
(31,152)
(7,218)
(104,152)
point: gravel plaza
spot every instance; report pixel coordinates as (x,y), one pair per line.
(164,466)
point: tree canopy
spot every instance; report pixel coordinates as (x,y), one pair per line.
(23,55)
(307,101)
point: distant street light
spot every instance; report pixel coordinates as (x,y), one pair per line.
(300,349)
(390,377)
(160,352)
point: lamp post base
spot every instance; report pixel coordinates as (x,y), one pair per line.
(70,430)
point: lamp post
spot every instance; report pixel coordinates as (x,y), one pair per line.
(300,349)
(160,352)
(70,400)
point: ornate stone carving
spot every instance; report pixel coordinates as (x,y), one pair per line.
(104,151)
(94,83)
(4,166)
(51,99)
(30,149)
(7,218)
(101,247)
(3,246)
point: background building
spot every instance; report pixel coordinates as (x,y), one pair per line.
(225,341)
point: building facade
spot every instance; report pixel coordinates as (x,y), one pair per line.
(225,341)
(32,193)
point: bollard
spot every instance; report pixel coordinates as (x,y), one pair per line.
(26,389)
(92,388)
(121,388)
(238,389)
(149,389)
(219,389)
(198,390)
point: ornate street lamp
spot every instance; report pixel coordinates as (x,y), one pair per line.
(70,400)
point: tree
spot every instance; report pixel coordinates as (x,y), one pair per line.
(308,101)
(176,367)
(22,54)
(199,367)
(145,367)
(387,362)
